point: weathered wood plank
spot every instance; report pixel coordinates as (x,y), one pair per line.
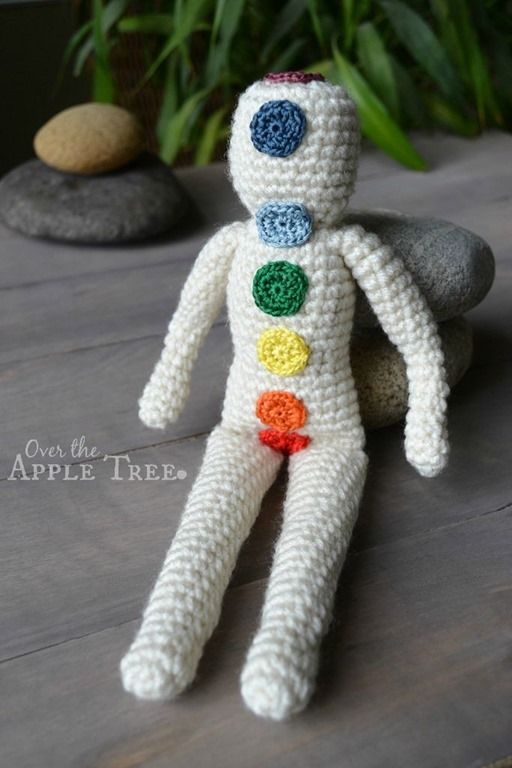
(95,391)
(414,672)
(28,260)
(109,537)
(131,292)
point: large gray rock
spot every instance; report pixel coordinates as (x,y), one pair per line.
(453,268)
(141,201)
(380,374)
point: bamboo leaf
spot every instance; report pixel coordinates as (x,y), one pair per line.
(112,12)
(83,54)
(411,105)
(105,18)
(103,83)
(424,47)
(224,29)
(288,16)
(446,115)
(172,134)
(285,59)
(74,42)
(322,67)
(461,35)
(185,22)
(209,136)
(377,66)
(376,123)
(317,24)
(170,99)
(150,24)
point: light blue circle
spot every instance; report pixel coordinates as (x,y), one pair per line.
(284,225)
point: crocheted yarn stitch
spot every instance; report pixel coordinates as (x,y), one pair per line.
(282,351)
(294,77)
(278,128)
(264,415)
(284,225)
(281,410)
(279,288)
(284,442)
(320,173)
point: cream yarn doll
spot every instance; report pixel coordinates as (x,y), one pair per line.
(289,272)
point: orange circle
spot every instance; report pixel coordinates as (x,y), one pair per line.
(281,410)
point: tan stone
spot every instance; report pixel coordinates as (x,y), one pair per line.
(89,138)
(380,376)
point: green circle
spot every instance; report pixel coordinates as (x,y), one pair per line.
(279,288)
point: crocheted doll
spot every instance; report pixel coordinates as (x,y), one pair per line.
(290,273)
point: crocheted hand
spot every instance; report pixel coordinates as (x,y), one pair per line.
(167,390)
(407,320)
(426,436)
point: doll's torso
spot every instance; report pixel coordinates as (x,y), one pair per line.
(291,312)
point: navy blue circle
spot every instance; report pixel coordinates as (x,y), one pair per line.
(278,128)
(284,225)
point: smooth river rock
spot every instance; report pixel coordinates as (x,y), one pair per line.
(453,268)
(89,138)
(380,375)
(139,202)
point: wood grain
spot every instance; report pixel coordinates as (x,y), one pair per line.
(415,671)
(416,668)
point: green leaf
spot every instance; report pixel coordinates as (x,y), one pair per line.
(460,34)
(210,134)
(424,47)
(322,67)
(224,28)
(186,20)
(170,99)
(112,12)
(285,60)
(172,133)
(447,116)
(284,21)
(411,105)
(316,21)
(103,83)
(75,41)
(352,12)
(376,123)
(83,54)
(377,66)
(97,43)
(149,24)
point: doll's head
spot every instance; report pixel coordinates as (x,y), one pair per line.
(295,138)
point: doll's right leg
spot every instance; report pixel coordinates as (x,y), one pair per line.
(185,604)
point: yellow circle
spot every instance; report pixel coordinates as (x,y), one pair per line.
(282,351)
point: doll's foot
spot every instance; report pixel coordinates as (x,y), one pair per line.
(275,690)
(153,674)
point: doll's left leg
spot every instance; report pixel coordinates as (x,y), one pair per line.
(324,490)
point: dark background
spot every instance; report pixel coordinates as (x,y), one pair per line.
(30,63)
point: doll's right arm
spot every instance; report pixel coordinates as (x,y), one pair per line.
(202,296)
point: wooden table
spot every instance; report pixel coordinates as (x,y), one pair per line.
(416,670)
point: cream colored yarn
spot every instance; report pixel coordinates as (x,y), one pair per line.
(326,478)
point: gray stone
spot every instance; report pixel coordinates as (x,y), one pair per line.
(453,268)
(141,201)
(380,374)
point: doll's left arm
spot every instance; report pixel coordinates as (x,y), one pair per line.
(410,325)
